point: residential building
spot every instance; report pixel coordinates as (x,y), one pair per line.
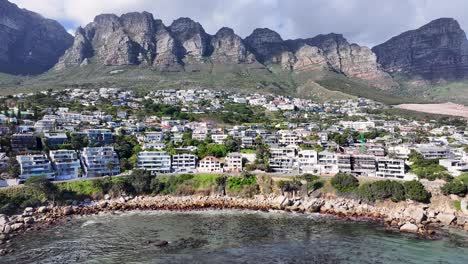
(233,162)
(22,142)
(433,152)
(100,161)
(307,161)
(344,163)
(390,168)
(210,164)
(35,165)
(455,167)
(66,164)
(328,162)
(363,165)
(3,161)
(154,161)
(52,139)
(219,138)
(282,164)
(184,163)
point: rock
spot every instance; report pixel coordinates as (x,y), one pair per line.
(30,44)
(229,48)
(68,210)
(122,200)
(446,219)
(409,227)
(87,201)
(160,243)
(435,51)
(17,226)
(7,229)
(42,210)
(29,220)
(107,197)
(465,227)
(3,220)
(415,213)
(464,206)
(28,210)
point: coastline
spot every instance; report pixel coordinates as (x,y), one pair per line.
(404,216)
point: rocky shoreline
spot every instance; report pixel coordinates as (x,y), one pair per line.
(405,216)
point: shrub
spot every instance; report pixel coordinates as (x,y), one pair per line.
(415,191)
(42,184)
(315,185)
(463,178)
(381,190)
(140,180)
(454,187)
(344,182)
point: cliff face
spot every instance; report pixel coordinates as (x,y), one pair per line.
(435,51)
(137,38)
(29,43)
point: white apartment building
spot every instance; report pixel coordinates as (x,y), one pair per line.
(358,125)
(455,167)
(35,165)
(100,161)
(219,138)
(278,152)
(66,164)
(289,138)
(400,151)
(433,152)
(390,168)
(156,136)
(363,165)
(210,164)
(282,164)
(154,161)
(233,162)
(307,161)
(328,162)
(184,163)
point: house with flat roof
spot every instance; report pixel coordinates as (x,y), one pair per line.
(184,163)
(154,161)
(66,164)
(35,165)
(100,161)
(233,163)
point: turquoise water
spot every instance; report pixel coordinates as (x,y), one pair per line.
(229,237)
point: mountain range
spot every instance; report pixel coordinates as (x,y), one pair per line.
(136,50)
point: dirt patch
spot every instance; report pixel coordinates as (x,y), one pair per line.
(442,109)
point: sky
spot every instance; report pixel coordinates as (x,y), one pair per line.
(366,22)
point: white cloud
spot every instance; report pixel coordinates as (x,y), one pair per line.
(366,22)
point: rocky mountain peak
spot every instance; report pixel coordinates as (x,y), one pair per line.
(436,51)
(229,48)
(29,43)
(267,45)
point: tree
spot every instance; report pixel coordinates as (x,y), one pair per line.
(140,180)
(454,187)
(110,167)
(221,183)
(415,191)
(344,182)
(79,142)
(43,185)
(232,144)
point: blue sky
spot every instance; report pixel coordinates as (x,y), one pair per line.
(367,22)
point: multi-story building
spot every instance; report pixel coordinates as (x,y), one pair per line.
(154,161)
(184,163)
(364,165)
(35,165)
(282,164)
(100,161)
(210,164)
(21,142)
(219,138)
(289,138)
(328,162)
(455,167)
(344,163)
(155,136)
(233,162)
(45,125)
(97,136)
(3,161)
(433,152)
(66,164)
(390,168)
(55,139)
(279,152)
(307,161)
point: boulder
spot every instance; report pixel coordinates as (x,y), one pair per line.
(17,226)
(464,206)
(3,220)
(122,200)
(409,227)
(446,219)
(107,197)
(7,229)
(42,209)
(68,210)
(415,213)
(29,220)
